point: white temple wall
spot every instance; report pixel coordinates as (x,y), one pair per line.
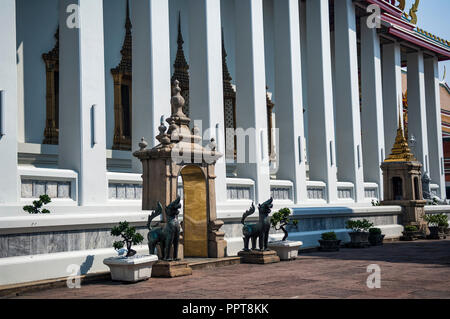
(37,22)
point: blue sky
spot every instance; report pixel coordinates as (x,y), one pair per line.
(434,16)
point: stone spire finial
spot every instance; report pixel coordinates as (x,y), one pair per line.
(177,101)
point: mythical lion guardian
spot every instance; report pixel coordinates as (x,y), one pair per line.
(168,234)
(259,230)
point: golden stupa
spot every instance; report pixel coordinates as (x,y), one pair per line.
(400,151)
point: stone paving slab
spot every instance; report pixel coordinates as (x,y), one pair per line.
(418,269)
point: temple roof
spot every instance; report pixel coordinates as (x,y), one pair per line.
(404,25)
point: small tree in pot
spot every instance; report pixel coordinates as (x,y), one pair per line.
(281,219)
(329,242)
(411,232)
(359,235)
(286,249)
(376,237)
(125,268)
(437,223)
(129,235)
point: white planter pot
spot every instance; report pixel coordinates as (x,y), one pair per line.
(131,269)
(286,250)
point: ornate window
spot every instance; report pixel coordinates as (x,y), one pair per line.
(51,59)
(229,105)
(122,92)
(181,69)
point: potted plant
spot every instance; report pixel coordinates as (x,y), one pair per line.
(286,249)
(38,204)
(329,242)
(359,235)
(435,225)
(131,267)
(443,224)
(411,232)
(376,237)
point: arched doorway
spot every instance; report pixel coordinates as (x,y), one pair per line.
(195,217)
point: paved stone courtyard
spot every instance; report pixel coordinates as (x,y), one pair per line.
(418,269)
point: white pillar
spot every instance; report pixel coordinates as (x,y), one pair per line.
(289,100)
(9,192)
(322,154)
(151,71)
(392,93)
(372,106)
(251,111)
(82,98)
(434,124)
(348,120)
(417,113)
(206,87)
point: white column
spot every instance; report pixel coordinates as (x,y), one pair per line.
(151,71)
(372,106)
(322,154)
(9,192)
(392,93)
(251,111)
(82,98)
(434,124)
(206,88)
(289,97)
(417,113)
(348,121)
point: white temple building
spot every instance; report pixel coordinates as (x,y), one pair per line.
(316,85)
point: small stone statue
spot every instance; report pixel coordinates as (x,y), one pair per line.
(259,230)
(426,189)
(167,235)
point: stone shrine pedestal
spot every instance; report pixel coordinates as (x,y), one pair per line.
(259,257)
(171,269)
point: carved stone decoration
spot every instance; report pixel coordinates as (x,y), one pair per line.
(426,189)
(181,69)
(402,182)
(229,104)
(180,153)
(122,91)
(51,59)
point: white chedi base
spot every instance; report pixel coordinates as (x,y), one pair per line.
(286,250)
(131,269)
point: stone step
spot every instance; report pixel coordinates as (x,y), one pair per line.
(208,263)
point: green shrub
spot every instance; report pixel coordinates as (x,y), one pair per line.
(329,236)
(37,205)
(411,228)
(359,225)
(375,231)
(129,235)
(281,219)
(436,220)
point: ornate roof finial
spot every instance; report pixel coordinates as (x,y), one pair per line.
(180,66)
(227,87)
(143,144)
(125,64)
